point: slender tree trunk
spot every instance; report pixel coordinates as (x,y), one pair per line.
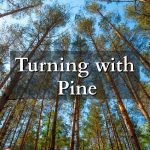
(116,49)
(124,129)
(16,11)
(73,124)
(145,63)
(18,124)
(27,127)
(107,127)
(77,124)
(39,124)
(98,140)
(48,126)
(134,95)
(19,132)
(128,146)
(13,68)
(123,111)
(8,91)
(53,139)
(7,117)
(138,101)
(5,126)
(118,142)
(8,121)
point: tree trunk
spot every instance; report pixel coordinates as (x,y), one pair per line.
(5,126)
(48,126)
(13,68)
(116,49)
(107,127)
(16,11)
(39,124)
(53,133)
(15,80)
(73,124)
(19,132)
(145,63)
(122,108)
(124,129)
(27,127)
(130,87)
(118,142)
(20,115)
(77,124)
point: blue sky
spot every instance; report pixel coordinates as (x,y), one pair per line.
(75,7)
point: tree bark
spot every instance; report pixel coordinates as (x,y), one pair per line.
(13,68)
(122,108)
(39,124)
(53,133)
(19,132)
(16,11)
(77,124)
(145,63)
(48,126)
(118,142)
(27,127)
(8,91)
(107,127)
(20,115)
(73,124)
(130,87)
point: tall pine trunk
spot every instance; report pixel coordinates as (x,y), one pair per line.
(145,63)
(122,108)
(13,83)
(118,142)
(107,127)
(27,126)
(130,87)
(16,11)
(77,124)
(53,132)
(13,68)
(17,136)
(39,124)
(48,126)
(20,115)
(72,140)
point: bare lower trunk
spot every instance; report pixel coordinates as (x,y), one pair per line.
(48,126)
(53,132)
(130,87)
(18,124)
(121,106)
(73,124)
(27,127)
(17,137)
(107,127)
(38,128)
(117,139)
(6,125)
(77,125)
